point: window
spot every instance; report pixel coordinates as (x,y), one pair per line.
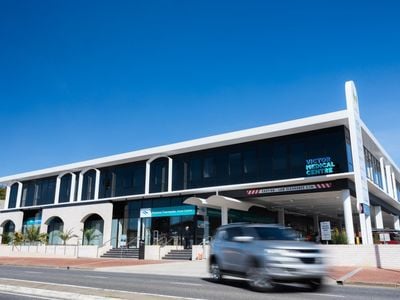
(159,175)
(13,196)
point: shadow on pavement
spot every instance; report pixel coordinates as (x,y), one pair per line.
(280,288)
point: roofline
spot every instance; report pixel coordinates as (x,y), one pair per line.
(246,135)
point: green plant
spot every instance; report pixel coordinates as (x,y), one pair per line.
(89,235)
(66,236)
(339,236)
(18,238)
(43,238)
(6,238)
(32,234)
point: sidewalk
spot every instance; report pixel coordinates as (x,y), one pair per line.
(341,275)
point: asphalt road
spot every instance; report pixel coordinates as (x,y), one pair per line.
(189,287)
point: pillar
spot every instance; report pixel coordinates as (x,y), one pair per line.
(224,215)
(389,181)
(377,214)
(147,181)
(348,216)
(394,187)
(383,174)
(80,185)
(169,174)
(57,192)
(73,187)
(281,216)
(396,222)
(7,200)
(316,224)
(97,185)
(19,195)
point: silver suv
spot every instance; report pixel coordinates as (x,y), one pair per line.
(265,255)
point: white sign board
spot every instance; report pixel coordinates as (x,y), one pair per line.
(122,240)
(384,237)
(326,231)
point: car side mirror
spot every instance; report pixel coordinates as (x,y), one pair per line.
(243,239)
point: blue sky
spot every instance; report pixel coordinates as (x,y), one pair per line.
(85,80)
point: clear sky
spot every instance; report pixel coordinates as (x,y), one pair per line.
(85,79)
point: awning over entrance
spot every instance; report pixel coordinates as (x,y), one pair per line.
(221,202)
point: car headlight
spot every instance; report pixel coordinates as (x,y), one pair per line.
(281,252)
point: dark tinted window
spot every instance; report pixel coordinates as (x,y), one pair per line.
(38,192)
(13,196)
(65,188)
(88,187)
(159,175)
(272,159)
(122,180)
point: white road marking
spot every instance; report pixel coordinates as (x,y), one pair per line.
(98,277)
(185,283)
(33,272)
(328,295)
(105,290)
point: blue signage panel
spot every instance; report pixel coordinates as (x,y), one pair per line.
(185,210)
(173,211)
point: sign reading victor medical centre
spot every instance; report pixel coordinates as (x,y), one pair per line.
(319,166)
(173,211)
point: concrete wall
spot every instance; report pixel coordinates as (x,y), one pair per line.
(16,217)
(49,251)
(74,218)
(158,252)
(381,256)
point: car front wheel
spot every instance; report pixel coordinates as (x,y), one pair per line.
(259,280)
(315,284)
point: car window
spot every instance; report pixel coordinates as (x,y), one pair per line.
(273,233)
(221,235)
(232,232)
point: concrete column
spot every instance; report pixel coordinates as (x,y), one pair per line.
(348,216)
(73,187)
(396,222)
(7,200)
(224,215)
(57,192)
(97,185)
(368,227)
(80,185)
(389,180)
(316,224)
(19,195)
(281,216)
(394,187)
(377,214)
(169,174)
(383,174)
(147,181)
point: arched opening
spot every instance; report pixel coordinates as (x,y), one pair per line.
(8,231)
(159,175)
(55,226)
(93,230)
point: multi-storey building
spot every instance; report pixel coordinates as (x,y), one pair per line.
(299,173)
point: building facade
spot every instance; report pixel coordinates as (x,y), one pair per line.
(299,173)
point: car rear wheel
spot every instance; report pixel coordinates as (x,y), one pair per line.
(215,272)
(259,280)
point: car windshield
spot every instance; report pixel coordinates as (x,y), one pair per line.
(271,233)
